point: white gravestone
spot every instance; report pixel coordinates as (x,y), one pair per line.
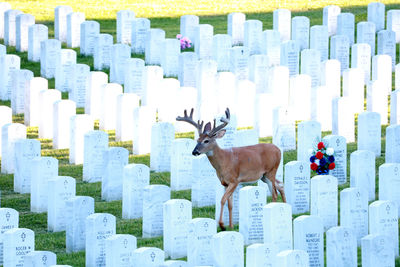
(278,85)
(60,22)
(98,227)
(22,23)
(162,136)
(203,41)
(89,31)
(124,26)
(343,118)
(369,132)
(10,133)
(395,106)
(42,170)
(377,249)
(341,247)
(239,62)
(36,34)
(311,65)
(393,23)
(383,219)
(32,108)
(17,243)
(153,198)
(340,50)
(77,209)
(126,103)
(143,119)
(187,69)
(102,51)
(135,178)
(140,27)
(386,44)
(308,235)
(47,98)
(319,40)
(200,233)
(236,22)
(40,258)
(297,186)
(282,23)
(252,36)
(3,50)
(271,40)
(220,52)
(170,57)
(290,56)
(95,82)
(323,105)
(338,143)
(228,249)
(114,160)
(330,76)
(9,219)
(258,72)
(324,199)
(134,76)
(74,20)
(292,258)
(79,76)
(376,15)
(329,18)
(377,100)
(252,200)
(361,58)
(108,108)
(301,31)
(49,53)
(181,163)
(10,26)
(366,35)
(21,82)
(60,190)
(353,88)
(392,144)
(63,111)
(245,98)
(382,70)
(94,145)
(4,6)
(5,118)
(301,100)
(153,50)
(308,136)
(203,182)
(277,225)
(119,250)
(65,62)
(362,171)
(25,151)
(80,125)
(205,83)
(345,26)
(8,65)
(177,213)
(119,54)
(261,255)
(389,182)
(188,24)
(174,263)
(148,256)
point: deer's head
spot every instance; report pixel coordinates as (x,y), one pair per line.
(207,137)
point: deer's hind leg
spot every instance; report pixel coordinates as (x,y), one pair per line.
(271,184)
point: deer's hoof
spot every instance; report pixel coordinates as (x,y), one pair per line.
(222,227)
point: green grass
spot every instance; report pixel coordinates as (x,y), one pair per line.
(163,15)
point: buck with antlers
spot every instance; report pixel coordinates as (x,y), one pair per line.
(238,164)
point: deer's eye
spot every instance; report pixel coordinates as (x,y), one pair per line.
(206,141)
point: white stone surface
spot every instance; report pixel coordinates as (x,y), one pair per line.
(94,145)
(341,247)
(80,125)
(277,224)
(228,250)
(63,111)
(119,250)
(25,151)
(297,186)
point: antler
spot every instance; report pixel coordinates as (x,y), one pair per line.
(189,119)
(224,121)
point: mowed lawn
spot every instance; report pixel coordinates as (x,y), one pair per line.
(164,15)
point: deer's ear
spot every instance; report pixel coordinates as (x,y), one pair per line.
(220,134)
(207,128)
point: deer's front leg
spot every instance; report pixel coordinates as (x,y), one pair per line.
(230,206)
(228,192)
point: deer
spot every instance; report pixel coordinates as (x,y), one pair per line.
(238,164)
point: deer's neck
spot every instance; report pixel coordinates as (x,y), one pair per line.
(218,158)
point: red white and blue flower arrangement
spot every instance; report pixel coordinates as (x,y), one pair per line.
(322,159)
(185,41)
